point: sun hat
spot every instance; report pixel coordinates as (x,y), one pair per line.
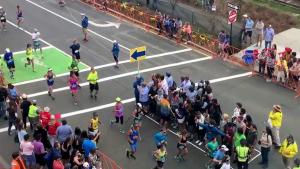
(118,99)
(277,107)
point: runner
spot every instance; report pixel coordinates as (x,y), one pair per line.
(3,18)
(8,58)
(19,16)
(75,50)
(160,155)
(74,67)
(84,25)
(74,85)
(37,42)
(61,3)
(29,56)
(133,136)
(94,125)
(50,81)
(92,78)
(119,114)
(115,52)
(182,146)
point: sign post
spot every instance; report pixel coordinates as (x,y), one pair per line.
(232,17)
(136,55)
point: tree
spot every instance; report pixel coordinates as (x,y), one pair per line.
(173,4)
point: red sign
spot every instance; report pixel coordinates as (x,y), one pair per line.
(232,16)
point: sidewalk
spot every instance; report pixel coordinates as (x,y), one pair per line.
(295,3)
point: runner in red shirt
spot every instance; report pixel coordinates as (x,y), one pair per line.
(51,128)
(45,117)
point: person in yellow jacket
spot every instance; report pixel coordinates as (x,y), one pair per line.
(275,121)
(288,150)
(29,56)
(92,78)
(33,115)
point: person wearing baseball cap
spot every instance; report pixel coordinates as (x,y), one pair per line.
(275,122)
(115,52)
(219,156)
(10,62)
(119,114)
(24,106)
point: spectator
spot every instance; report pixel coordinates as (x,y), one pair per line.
(43,132)
(268,36)
(26,149)
(171,83)
(45,117)
(248,29)
(275,121)
(25,104)
(265,144)
(64,131)
(53,152)
(165,111)
(135,85)
(155,4)
(33,115)
(87,145)
(39,151)
(221,39)
(3,97)
(259,27)
(219,156)
(12,116)
(58,163)
(270,67)
(243,153)
(144,95)
(252,137)
(17,161)
(236,111)
(51,128)
(288,150)
(282,70)
(21,132)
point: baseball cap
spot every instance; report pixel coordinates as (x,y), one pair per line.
(7,50)
(82,14)
(49,69)
(223,147)
(118,99)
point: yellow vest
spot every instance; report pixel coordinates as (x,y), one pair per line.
(242,153)
(29,53)
(289,151)
(94,123)
(32,111)
(296,167)
(276,118)
(92,77)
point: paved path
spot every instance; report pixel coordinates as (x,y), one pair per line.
(58,27)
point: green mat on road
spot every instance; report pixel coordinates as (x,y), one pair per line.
(53,59)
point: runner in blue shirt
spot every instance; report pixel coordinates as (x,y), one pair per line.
(133,136)
(75,50)
(160,138)
(19,16)
(84,25)
(8,58)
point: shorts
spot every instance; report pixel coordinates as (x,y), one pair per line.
(75,72)
(94,87)
(3,20)
(36,44)
(74,91)
(50,82)
(181,146)
(248,33)
(11,65)
(160,164)
(165,117)
(29,160)
(84,30)
(28,59)
(119,119)
(133,147)
(77,56)
(20,18)
(116,58)
(144,104)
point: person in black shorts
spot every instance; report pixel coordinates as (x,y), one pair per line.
(75,50)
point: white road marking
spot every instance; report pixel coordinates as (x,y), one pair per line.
(107,65)
(125,75)
(47,43)
(68,20)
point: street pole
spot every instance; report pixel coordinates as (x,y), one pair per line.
(138,67)
(230,34)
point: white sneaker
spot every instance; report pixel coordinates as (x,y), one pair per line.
(197,142)
(200,143)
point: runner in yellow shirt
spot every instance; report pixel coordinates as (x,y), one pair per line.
(94,125)
(92,78)
(29,56)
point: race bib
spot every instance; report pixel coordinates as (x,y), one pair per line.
(76,51)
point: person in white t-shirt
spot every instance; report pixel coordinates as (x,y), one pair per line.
(36,41)
(237,111)
(226,163)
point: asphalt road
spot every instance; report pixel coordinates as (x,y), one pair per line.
(256,95)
